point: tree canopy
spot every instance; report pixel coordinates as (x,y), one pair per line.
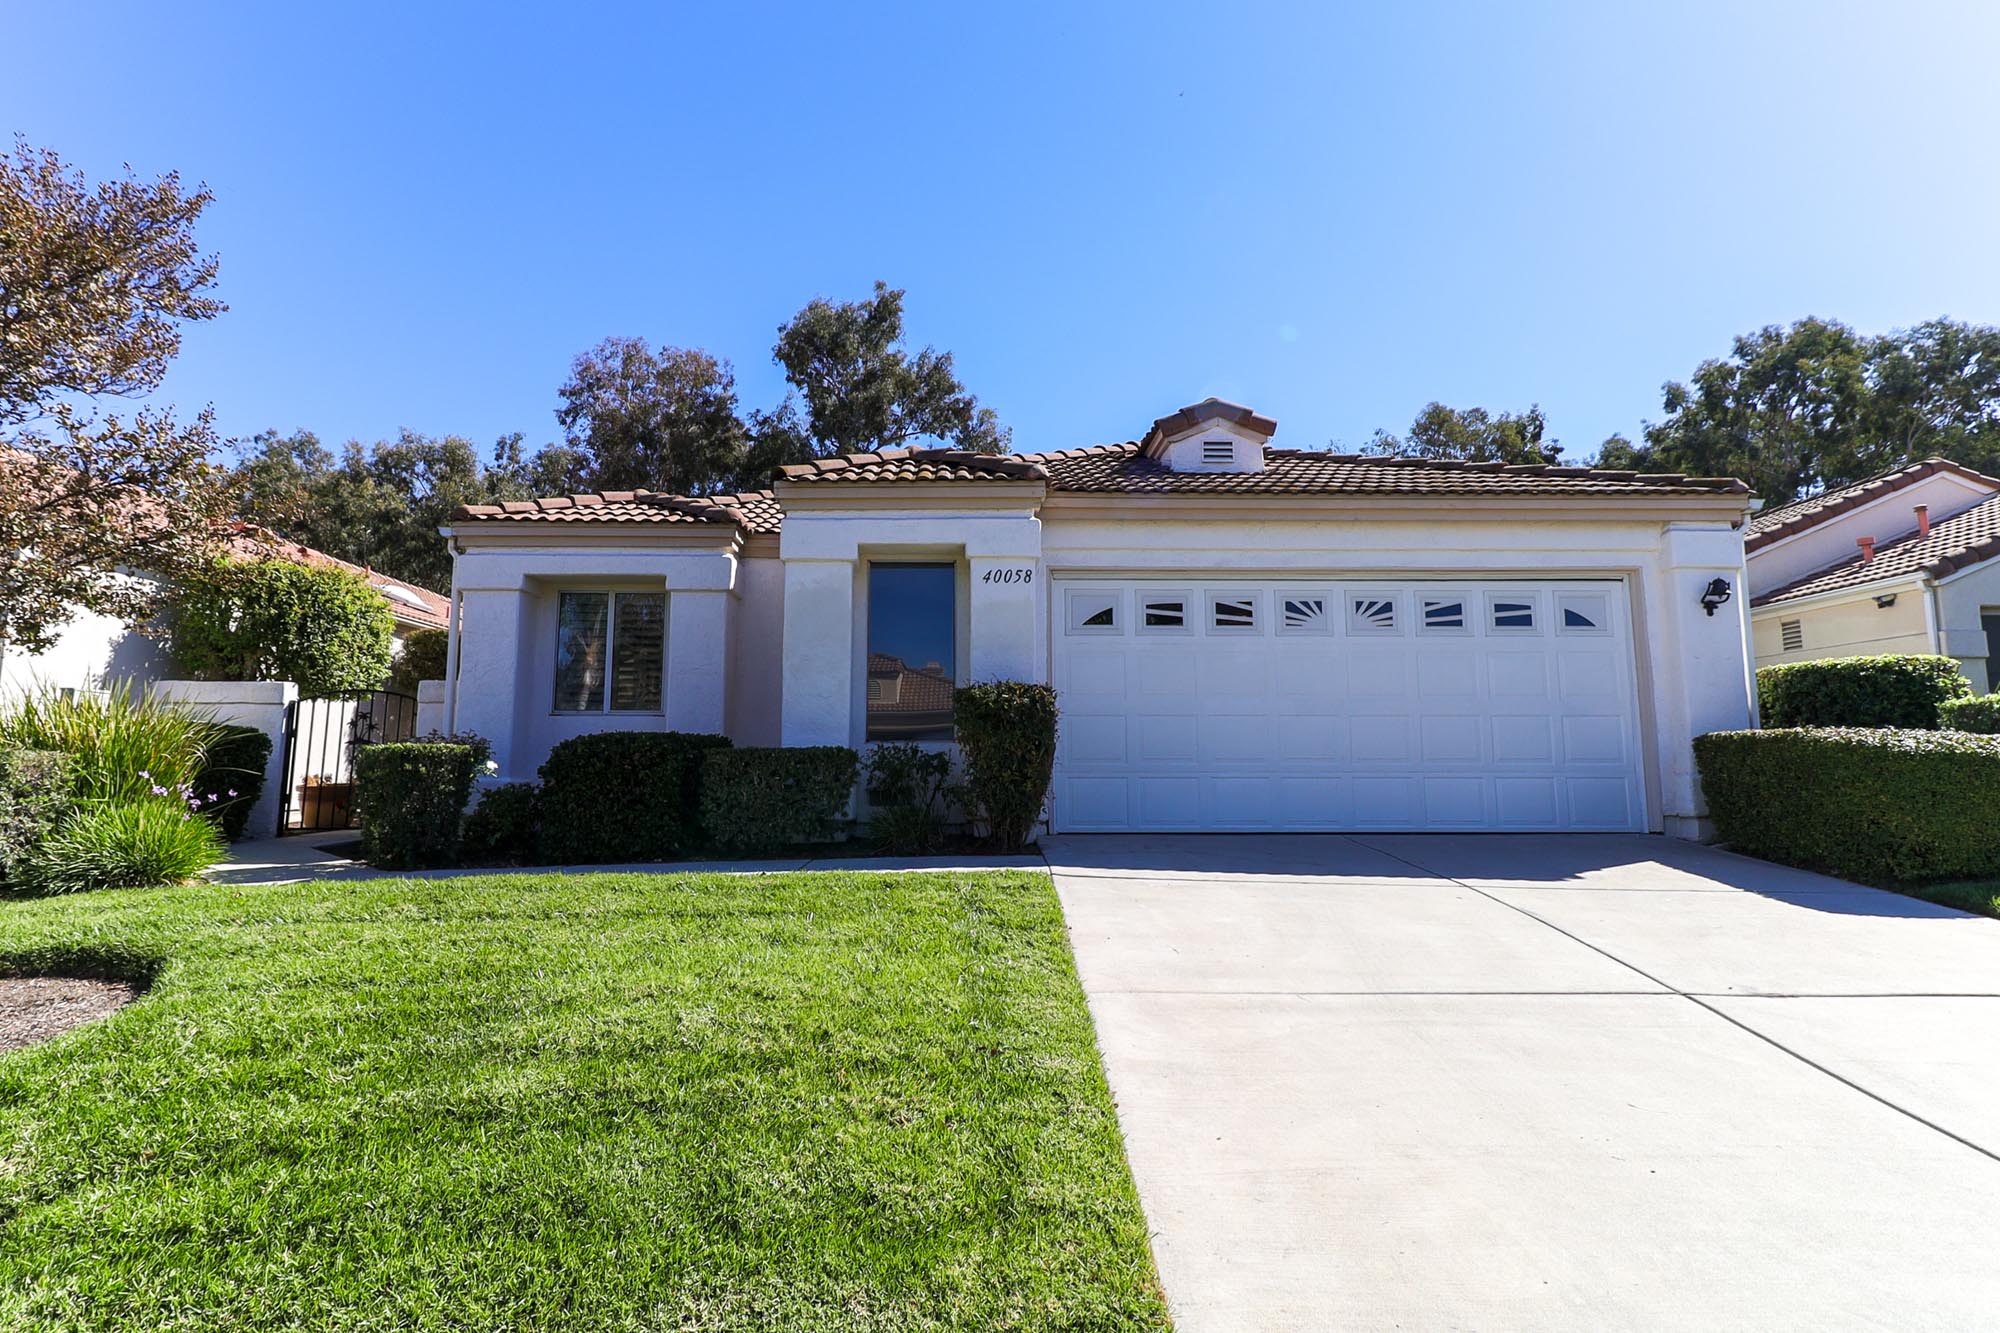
(1799,409)
(1471,435)
(638,419)
(320,626)
(96,284)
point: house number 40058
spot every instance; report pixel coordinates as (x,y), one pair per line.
(1008,576)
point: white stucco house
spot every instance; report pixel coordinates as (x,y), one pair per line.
(1903,562)
(1242,637)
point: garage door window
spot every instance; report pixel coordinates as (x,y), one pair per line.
(1163,613)
(1445,614)
(1510,613)
(912,634)
(1582,613)
(1234,613)
(1300,614)
(1372,613)
(1093,612)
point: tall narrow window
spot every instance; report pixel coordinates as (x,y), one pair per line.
(610,652)
(912,633)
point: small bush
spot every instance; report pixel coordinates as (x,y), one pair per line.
(504,827)
(422,658)
(412,796)
(623,796)
(1979,713)
(906,790)
(35,798)
(122,845)
(1897,690)
(1883,806)
(231,777)
(124,745)
(763,800)
(1007,730)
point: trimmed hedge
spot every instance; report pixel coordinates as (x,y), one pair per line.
(1878,805)
(763,800)
(1893,690)
(623,795)
(1007,731)
(234,762)
(1979,713)
(505,825)
(35,798)
(412,797)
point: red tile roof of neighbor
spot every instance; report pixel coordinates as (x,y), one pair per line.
(1117,469)
(411,603)
(1798,515)
(1966,538)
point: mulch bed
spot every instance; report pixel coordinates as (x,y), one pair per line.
(34,1009)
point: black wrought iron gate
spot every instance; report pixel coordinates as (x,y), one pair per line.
(321,736)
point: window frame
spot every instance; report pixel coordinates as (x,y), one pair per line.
(961,596)
(611,596)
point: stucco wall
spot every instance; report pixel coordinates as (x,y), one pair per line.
(91,652)
(1962,599)
(1851,626)
(756,664)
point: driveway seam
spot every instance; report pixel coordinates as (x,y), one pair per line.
(1697,1000)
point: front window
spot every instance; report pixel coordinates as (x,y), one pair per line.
(912,631)
(610,651)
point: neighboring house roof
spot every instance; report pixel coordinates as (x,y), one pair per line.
(412,605)
(1797,516)
(1111,469)
(1966,538)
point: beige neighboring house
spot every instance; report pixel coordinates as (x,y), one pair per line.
(1903,562)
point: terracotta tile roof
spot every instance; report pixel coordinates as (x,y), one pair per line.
(1786,519)
(1122,468)
(1210,409)
(1964,539)
(752,511)
(1110,469)
(916,465)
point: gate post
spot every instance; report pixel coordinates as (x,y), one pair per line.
(263,704)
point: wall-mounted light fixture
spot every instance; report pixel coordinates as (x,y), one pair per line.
(1714,595)
(1886,600)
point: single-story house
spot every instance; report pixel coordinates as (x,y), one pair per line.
(1898,563)
(94,651)
(1241,637)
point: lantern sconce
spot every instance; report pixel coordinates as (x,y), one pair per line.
(1714,595)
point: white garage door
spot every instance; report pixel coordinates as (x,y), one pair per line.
(1206,703)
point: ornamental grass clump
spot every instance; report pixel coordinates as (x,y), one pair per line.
(122,745)
(121,844)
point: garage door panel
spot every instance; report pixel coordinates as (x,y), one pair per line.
(1518,711)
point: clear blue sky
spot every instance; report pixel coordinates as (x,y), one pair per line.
(1334,214)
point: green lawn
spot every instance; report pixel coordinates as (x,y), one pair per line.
(825,1101)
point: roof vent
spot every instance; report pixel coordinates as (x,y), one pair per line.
(1218,451)
(1210,436)
(1923,520)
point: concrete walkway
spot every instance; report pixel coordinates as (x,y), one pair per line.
(308,856)
(1543,1083)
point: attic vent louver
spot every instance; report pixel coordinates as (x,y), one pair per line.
(1214,452)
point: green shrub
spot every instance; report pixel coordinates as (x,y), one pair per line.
(231,777)
(1007,730)
(1978,713)
(35,797)
(1896,690)
(906,789)
(412,796)
(1883,806)
(623,796)
(755,801)
(422,658)
(124,745)
(318,625)
(504,827)
(123,844)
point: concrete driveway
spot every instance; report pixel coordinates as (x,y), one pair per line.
(1543,1082)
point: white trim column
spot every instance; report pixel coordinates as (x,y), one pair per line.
(697,660)
(819,652)
(1701,665)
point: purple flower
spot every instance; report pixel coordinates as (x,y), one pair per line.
(232,791)
(144,774)
(158,790)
